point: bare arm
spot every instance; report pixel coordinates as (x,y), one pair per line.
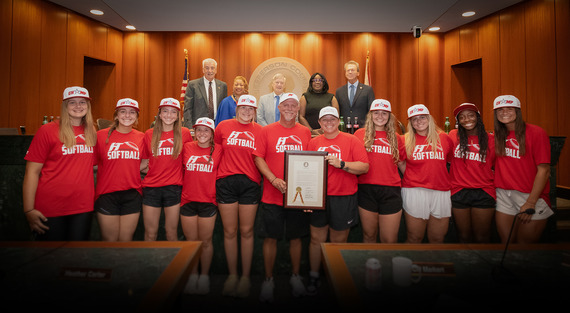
(302,108)
(144,166)
(268,174)
(31,179)
(356,168)
(542,176)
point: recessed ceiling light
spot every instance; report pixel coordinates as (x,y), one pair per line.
(131,27)
(468,13)
(433,29)
(97,12)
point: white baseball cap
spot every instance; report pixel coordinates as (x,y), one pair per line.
(381,104)
(247,100)
(204,121)
(170,102)
(417,109)
(506,101)
(287,96)
(74,92)
(328,110)
(127,103)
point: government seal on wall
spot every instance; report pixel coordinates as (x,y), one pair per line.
(296,74)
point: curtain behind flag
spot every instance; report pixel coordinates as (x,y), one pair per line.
(367,70)
(185,79)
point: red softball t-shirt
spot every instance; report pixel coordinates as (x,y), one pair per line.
(471,171)
(163,170)
(66,184)
(517,172)
(383,171)
(200,168)
(347,148)
(271,145)
(426,168)
(118,161)
(238,143)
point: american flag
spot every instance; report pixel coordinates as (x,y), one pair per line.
(367,71)
(185,79)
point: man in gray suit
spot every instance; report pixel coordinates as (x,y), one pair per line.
(204,94)
(267,105)
(354,98)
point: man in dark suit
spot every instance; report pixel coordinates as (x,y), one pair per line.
(357,104)
(203,95)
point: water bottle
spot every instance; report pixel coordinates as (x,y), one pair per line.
(356,126)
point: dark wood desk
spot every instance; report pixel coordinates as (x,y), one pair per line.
(97,276)
(469,276)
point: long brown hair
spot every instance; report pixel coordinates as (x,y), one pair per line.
(157,132)
(501,133)
(390,128)
(116,124)
(66,133)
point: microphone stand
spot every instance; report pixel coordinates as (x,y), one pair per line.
(501,273)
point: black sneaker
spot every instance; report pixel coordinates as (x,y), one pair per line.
(314,283)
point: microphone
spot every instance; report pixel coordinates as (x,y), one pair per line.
(506,275)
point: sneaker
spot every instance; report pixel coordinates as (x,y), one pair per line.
(314,283)
(267,287)
(296,282)
(191,284)
(203,285)
(242,290)
(230,286)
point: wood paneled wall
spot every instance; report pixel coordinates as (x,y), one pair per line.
(522,51)
(399,62)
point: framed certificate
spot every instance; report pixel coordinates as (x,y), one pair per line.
(306,178)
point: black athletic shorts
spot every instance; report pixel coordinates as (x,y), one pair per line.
(121,202)
(237,188)
(472,198)
(383,200)
(159,197)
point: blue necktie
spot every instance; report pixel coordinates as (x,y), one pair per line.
(277,115)
(351,95)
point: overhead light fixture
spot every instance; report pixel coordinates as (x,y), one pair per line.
(96,12)
(433,29)
(131,27)
(468,14)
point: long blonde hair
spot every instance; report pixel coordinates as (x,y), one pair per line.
(390,128)
(432,136)
(157,133)
(66,133)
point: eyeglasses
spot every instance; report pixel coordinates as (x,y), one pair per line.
(317,80)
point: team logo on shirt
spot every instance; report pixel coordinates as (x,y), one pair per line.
(292,142)
(79,147)
(166,147)
(332,149)
(200,163)
(241,139)
(422,152)
(381,145)
(512,148)
(470,155)
(123,151)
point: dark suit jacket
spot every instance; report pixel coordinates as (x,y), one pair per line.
(363,97)
(196,100)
